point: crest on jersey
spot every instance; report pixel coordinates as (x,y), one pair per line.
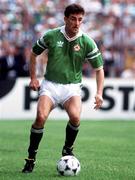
(76,47)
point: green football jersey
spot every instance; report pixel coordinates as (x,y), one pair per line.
(67,55)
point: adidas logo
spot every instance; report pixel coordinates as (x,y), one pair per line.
(60,43)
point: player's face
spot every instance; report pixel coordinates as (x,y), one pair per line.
(73,23)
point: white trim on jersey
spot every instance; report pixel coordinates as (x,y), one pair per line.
(94,51)
(94,56)
(96,69)
(40,45)
(79,34)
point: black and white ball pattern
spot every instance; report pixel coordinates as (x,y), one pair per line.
(68,166)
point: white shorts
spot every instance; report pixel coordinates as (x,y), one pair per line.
(59,93)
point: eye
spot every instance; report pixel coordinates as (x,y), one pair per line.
(73,18)
(80,19)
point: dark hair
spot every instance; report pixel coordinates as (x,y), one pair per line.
(74,9)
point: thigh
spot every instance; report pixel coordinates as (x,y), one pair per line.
(73,107)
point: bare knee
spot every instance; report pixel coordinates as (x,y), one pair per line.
(75,119)
(40,120)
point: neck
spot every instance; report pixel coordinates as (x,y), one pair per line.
(69,33)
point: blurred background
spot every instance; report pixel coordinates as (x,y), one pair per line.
(110,22)
(105,149)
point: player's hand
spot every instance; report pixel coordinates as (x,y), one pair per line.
(34,84)
(98,101)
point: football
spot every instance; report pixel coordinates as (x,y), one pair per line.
(68,166)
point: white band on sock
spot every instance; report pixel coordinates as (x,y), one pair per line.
(38,131)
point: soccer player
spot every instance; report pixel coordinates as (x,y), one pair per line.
(68,48)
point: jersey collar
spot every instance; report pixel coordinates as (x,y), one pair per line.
(62,30)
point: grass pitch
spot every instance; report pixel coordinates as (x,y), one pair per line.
(106,150)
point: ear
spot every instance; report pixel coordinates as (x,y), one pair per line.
(65,18)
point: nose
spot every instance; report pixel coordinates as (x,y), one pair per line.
(77,22)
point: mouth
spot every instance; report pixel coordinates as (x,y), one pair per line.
(76,28)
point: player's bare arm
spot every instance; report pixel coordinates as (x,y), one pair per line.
(34,83)
(100,81)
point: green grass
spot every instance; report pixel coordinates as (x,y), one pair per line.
(106,150)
